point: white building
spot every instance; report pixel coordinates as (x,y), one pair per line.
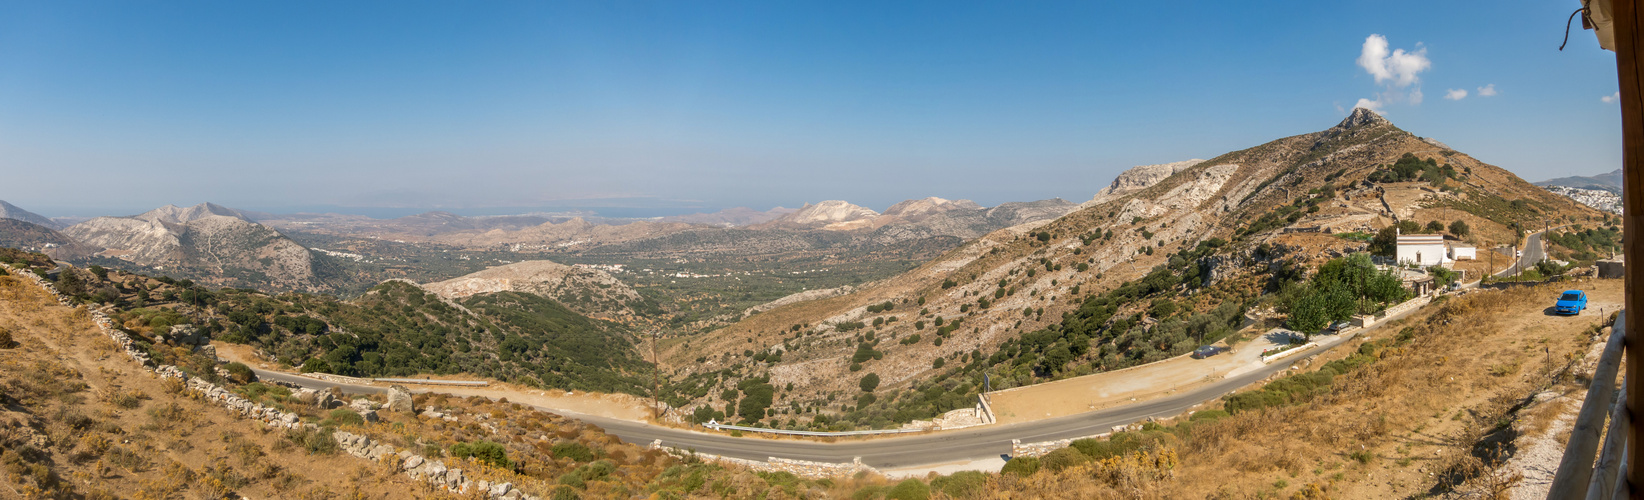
(1422,249)
(1462,252)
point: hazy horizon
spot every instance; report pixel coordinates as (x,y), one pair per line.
(652,109)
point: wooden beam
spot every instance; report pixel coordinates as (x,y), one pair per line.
(1575,470)
(1629,44)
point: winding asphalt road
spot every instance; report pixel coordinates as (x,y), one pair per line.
(1533,253)
(902,451)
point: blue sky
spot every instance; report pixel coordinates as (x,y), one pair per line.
(116,107)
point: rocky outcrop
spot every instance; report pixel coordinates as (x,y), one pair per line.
(594,291)
(399,399)
(1361,121)
(204,239)
(1139,178)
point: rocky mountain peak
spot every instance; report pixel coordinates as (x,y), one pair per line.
(929,206)
(828,212)
(1361,117)
(1139,178)
(178,215)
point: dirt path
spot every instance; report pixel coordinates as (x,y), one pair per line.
(1107,389)
(617,406)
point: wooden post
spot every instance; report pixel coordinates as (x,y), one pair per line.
(1628,43)
(656,379)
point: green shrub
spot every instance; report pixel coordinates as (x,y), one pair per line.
(316,442)
(1208,415)
(599,469)
(1062,459)
(572,479)
(1118,444)
(563,492)
(316,365)
(344,416)
(909,489)
(574,451)
(484,451)
(961,484)
(1021,466)
(239,372)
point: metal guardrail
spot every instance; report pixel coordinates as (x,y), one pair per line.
(1576,477)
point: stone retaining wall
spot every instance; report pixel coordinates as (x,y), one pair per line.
(415,466)
(1042,448)
(801,468)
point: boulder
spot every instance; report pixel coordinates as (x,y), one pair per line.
(399,399)
(185,335)
(369,415)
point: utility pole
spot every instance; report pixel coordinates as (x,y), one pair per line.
(656,379)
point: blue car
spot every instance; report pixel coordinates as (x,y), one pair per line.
(1571,302)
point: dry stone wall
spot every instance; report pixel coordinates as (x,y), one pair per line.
(416,466)
(801,468)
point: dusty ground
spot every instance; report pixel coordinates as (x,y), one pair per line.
(1107,389)
(1399,426)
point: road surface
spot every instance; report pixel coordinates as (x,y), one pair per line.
(1533,253)
(903,451)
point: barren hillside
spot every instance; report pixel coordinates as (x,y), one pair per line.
(214,244)
(1211,233)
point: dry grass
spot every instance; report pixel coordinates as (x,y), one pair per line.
(80,422)
(1431,416)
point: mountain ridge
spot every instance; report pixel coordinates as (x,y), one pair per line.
(1608,181)
(10,211)
(1218,226)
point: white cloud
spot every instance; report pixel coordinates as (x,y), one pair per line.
(1394,70)
(1402,68)
(1612,98)
(1487,90)
(1455,94)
